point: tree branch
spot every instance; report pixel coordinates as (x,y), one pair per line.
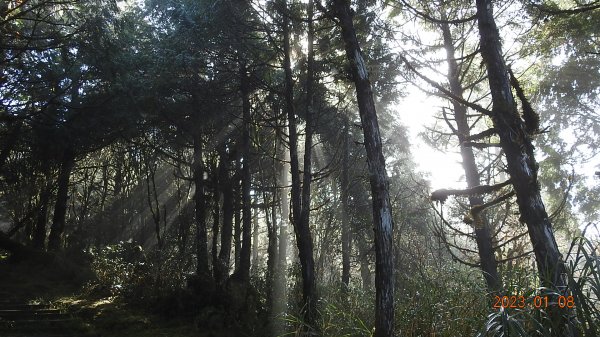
(481,145)
(436,20)
(445,91)
(547,10)
(478,208)
(443,194)
(481,135)
(515,257)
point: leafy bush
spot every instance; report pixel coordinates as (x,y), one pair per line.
(450,302)
(583,275)
(341,312)
(120,269)
(584,282)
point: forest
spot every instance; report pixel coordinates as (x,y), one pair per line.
(280,168)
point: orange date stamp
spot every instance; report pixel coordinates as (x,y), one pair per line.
(537,302)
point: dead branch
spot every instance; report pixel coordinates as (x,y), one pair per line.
(445,91)
(480,145)
(443,194)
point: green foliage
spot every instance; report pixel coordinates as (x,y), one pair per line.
(503,324)
(533,320)
(584,281)
(120,269)
(161,75)
(347,313)
(448,303)
(342,312)
(564,88)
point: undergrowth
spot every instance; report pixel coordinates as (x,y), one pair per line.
(445,304)
(583,276)
(453,302)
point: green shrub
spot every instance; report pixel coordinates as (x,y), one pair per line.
(120,269)
(450,302)
(583,275)
(584,281)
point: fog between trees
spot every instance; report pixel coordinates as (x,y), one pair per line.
(246,161)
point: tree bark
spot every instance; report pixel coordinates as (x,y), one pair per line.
(62,196)
(222,266)
(39,232)
(244,270)
(237,232)
(215,228)
(344,182)
(300,214)
(522,167)
(271,221)
(200,209)
(255,237)
(280,288)
(303,226)
(483,233)
(152,197)
(363,258)
(382,212)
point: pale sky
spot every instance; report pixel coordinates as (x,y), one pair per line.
(444,170)
(416,112)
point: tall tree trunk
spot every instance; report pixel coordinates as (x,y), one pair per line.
(215,228)
(39,233)
(285,216)
(152,197)
(271,221)
(281,276)
(222,266)
(483,233)
(344,185)
(200,209)
(382,211)
(308,263)
(238,215)
(300,212)
(62,196)
(183,222)
(244,270)
(522,167)
(363,258)
(255,237)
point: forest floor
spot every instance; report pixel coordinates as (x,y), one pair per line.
(56,285)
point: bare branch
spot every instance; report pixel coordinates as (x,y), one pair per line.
(443,194)
(481,145)
(436,20)
(515,257)
(445,91)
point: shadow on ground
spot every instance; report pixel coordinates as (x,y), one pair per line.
(50,296)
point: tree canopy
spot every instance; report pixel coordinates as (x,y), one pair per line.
(252,161)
